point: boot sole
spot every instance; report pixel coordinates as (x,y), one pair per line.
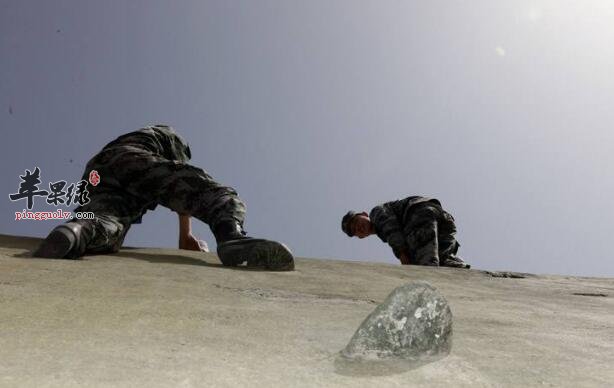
(455,264)
(259,253)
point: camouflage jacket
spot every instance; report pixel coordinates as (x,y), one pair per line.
(389,219)
(160,140)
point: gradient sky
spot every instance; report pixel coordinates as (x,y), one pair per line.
(502,110)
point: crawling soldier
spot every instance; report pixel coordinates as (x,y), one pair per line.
(146,168)
(417,229)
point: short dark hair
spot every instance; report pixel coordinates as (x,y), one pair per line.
(346,221)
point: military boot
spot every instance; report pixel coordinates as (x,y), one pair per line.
(64,241)
(234,247)
(454,261)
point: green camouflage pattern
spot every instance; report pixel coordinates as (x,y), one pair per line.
(419,226)
(143,169)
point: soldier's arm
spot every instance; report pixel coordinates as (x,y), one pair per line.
(388,225)
(185,225)
(186,238)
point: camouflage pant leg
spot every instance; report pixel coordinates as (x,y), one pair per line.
(179,186)
(105,233)
(421,233)
(113,217)
(448,246)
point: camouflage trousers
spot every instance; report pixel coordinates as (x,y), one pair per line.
(133,180)
(430,235)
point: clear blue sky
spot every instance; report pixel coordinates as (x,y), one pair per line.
(502,110)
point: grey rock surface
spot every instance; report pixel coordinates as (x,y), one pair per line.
(148,317)
(413,322)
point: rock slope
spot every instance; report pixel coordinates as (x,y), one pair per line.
(164,317)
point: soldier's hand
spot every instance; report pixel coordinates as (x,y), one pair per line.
(191,243)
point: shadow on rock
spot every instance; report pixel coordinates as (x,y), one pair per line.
(382,367)
(149,257)
(176,259)
(18,242)
(24,255)
(162,258)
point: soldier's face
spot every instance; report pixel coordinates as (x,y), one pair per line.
(361,225)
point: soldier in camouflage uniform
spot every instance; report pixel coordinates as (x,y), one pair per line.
(146,168)
(417,229)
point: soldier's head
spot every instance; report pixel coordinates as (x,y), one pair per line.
(357,224)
